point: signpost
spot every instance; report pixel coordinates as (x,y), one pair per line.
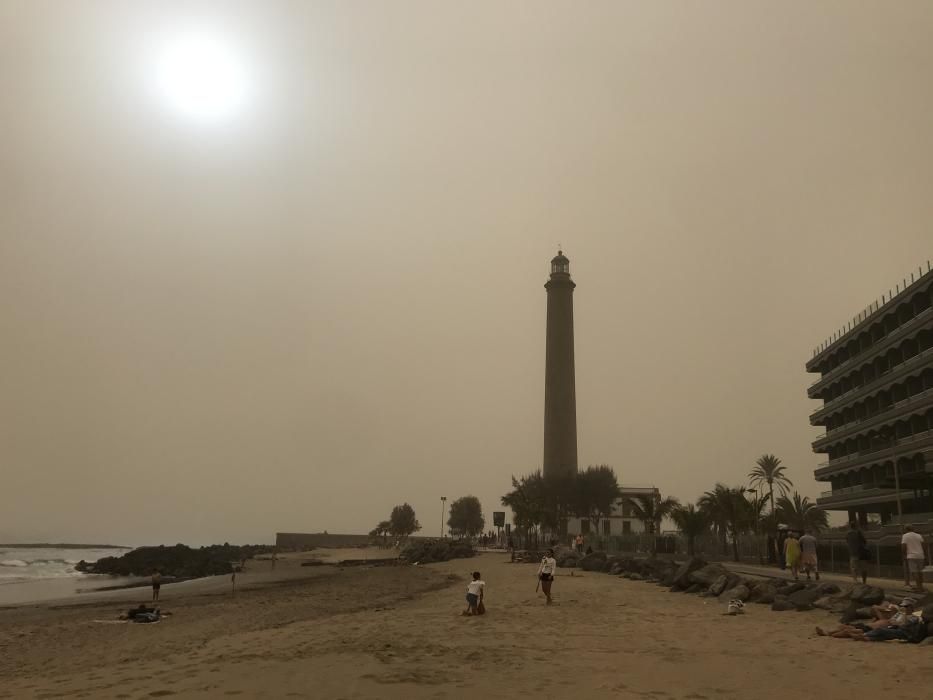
(498,519)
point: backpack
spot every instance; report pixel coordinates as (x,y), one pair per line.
(915,630)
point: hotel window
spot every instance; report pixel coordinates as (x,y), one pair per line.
(607,527)
(626,527)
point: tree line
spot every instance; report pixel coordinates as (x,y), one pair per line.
(465,520)
(542,504)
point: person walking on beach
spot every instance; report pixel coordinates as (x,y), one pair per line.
(156,585)
(546,573)
(792,553)
(476,590)
(914,557)
(858,549)
(808,559)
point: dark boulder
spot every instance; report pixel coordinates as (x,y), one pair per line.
(866,595)
(781,604)
(719,585)
(739,592)
(790,588)
(804,598)
(762,592)
(567,558)
(707,574)
(694,588)
(828,588)
(594,561)
(682,573)
(615,564)
(855,612)
(832,604)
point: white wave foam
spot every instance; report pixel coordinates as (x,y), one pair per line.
(13,562)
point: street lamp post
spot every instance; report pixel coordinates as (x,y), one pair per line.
(443,505)
(892,432)
(757,507)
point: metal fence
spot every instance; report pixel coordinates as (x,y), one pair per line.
(833,553)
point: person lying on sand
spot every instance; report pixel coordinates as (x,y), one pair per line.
(475,591)
(880,629)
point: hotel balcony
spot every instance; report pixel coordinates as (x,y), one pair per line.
(882,381)
(901,410)
(861,494)
(919,442)
(884,343)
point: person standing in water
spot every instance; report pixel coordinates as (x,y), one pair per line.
(546,573)
(156,585)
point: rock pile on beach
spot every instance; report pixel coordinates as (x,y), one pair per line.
(179,561)
(428,551)
(851,601)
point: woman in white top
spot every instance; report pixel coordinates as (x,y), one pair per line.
(476,589)
(546,573)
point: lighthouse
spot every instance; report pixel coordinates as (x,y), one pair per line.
(560,397)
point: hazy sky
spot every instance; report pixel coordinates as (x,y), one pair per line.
(333,302)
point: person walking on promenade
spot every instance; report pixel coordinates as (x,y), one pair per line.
(579,543)
(156,585)
(858,549)
(914,557)
(792,553)
(546,573)
(781,536)
(808,558)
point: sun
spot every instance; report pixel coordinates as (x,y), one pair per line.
(202,78)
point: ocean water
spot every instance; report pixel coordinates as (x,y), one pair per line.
(44,573)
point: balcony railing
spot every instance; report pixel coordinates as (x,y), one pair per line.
(876,382)
(898,404)
(858,455)
(847,489)
(887,336)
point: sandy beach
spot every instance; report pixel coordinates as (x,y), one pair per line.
(395,632)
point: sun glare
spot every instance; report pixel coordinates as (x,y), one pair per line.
(202,78)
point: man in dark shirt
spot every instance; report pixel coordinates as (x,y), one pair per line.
(855,541)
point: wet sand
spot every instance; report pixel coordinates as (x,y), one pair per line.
(395,632)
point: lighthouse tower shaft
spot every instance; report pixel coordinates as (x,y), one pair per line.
(560,396)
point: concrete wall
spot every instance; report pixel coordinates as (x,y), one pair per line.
(300,541)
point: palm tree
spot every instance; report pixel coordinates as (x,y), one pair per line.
(691,522)
(769,470)
(651,510)
(730,512)
(800,513)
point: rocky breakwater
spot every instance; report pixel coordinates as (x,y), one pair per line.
(179,561)
(428,551)
(712,580)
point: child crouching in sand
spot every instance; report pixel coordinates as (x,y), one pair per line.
(474,596)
